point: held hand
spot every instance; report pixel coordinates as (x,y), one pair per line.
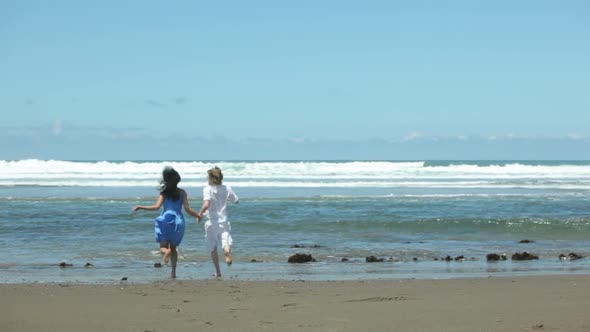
(135,208)
(199,217)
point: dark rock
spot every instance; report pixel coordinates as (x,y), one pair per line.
(373,259)
(88,265)
(436,258)
(255,261)
(415,259)
(460,258)
(124,279)
(570,256)
(525,256)
(301,258)
(526,241)
(305,246)
(448,259)
(64,264)
(157,264)
(344,259)
(495,257)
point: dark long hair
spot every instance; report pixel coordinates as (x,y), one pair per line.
(169,183)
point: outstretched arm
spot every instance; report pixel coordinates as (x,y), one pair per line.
(188,208)
(151,207)
(232,197)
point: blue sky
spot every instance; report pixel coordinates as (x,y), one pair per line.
(295,80)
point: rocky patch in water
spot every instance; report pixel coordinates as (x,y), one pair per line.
(570,256)
(301,258)
(525,256)
(373,259)
(306,246)
(495,257)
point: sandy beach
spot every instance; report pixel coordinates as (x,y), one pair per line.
(533,303)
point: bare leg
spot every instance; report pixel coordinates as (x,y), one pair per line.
(215,259)
(174,259)
(165,249)
(227,251)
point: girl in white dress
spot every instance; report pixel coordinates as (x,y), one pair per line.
(217,227)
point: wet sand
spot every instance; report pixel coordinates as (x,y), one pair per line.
(533,303)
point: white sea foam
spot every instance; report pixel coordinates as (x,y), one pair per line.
(34,172)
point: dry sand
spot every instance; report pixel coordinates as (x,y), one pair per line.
(534,303)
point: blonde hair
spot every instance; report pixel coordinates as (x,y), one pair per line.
(215,176)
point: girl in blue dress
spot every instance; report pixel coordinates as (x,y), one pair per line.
(169,226)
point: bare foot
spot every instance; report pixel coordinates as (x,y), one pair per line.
(173,276)
(217,275)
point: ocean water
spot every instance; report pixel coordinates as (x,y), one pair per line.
(411,214)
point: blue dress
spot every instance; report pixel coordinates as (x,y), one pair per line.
(169,226)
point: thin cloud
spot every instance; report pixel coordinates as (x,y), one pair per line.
(180,100)
(155,103)
(575,137)
(56,128)
(61,139)
(298,140)
(412,136)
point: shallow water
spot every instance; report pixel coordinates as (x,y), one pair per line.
(407,213)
